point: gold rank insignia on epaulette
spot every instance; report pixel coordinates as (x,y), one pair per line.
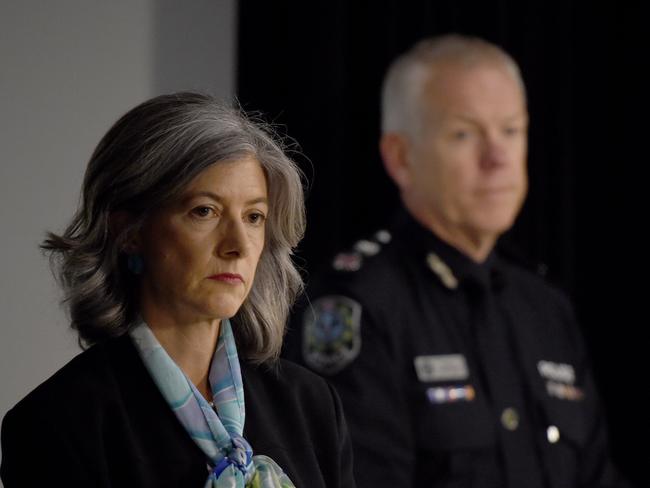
(352,260)
(367,248)
(347,261)
(444,272)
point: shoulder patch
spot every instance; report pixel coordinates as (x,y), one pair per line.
(331,336)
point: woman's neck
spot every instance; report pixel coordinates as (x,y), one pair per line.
(191,346)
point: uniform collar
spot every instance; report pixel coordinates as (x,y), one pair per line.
(452,267)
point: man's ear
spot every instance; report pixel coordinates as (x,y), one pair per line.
(395,152)
(119,222)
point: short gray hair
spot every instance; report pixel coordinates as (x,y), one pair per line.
(407,75)
(146,159)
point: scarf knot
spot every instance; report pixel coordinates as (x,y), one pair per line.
(240,456)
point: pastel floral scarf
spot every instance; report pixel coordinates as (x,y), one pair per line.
(217,431)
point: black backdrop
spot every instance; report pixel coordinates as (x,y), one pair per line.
(315,69)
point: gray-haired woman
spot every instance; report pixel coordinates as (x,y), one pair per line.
(176,266)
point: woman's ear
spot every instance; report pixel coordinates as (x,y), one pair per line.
(394,148)
(119,222)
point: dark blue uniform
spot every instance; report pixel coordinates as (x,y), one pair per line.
(453,373)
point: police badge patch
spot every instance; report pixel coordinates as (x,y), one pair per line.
(331,333)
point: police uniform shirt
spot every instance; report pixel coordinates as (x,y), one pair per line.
(452,373)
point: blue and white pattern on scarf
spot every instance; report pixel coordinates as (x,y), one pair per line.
(218,433)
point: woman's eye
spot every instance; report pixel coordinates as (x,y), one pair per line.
(203,212)
(256,218)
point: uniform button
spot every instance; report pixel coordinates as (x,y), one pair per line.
(510,418)
(553,434)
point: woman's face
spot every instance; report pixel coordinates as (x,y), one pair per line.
(200,252)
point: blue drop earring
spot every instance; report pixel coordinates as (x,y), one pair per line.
(135,263)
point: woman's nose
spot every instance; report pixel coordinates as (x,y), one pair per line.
(234,241)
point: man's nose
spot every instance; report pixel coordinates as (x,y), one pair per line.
(493,152)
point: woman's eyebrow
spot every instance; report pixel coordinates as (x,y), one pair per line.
(219,199)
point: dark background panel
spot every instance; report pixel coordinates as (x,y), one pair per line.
(315,70)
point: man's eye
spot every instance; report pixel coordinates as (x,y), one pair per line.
(460,135)
(512,131)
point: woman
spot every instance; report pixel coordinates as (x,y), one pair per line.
(177,271)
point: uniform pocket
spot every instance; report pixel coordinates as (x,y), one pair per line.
(457,445)
(454,424)
(565,423)
(563,436)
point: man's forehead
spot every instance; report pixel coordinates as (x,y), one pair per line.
(459,91)
(461,66)
(471,118)
(446,75)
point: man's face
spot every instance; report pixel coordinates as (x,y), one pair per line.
(467,164)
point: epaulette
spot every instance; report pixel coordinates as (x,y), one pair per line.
(352,260)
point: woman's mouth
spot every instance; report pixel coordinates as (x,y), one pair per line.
(231,278)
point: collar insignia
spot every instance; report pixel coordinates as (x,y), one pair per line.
(444,272)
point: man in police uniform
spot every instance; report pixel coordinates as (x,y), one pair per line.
(455,366)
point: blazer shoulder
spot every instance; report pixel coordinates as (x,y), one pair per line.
(86,376)
(286,383)
(284,375)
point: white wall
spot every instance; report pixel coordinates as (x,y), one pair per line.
(68,69)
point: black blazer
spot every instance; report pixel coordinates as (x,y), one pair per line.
(101,421)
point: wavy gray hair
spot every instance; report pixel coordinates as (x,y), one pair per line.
(401,104)
(146,159)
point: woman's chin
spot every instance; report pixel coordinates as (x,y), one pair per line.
(225,310)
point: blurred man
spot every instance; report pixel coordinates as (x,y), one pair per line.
(455,366)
